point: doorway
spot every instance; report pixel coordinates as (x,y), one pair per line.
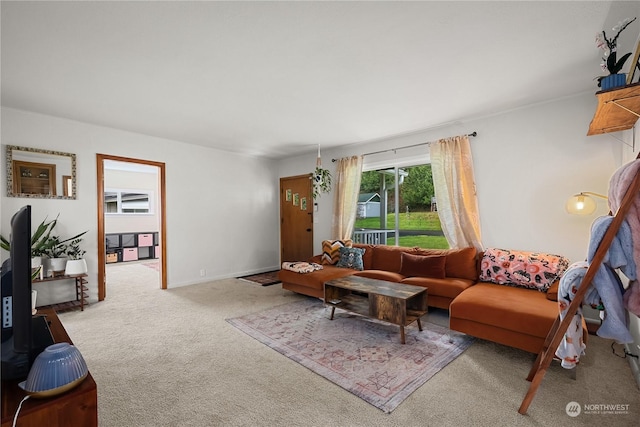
(296,218)
(102,208)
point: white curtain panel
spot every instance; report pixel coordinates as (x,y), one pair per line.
(347,188)
(455,188)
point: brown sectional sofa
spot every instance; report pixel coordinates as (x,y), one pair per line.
(512,316)
(516,317)
(384,263)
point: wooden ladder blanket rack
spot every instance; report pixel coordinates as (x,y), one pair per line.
(559,328)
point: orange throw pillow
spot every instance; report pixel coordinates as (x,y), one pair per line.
(423,266)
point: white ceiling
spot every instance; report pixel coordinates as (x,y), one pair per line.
(277,78)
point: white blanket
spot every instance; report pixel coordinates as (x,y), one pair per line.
(301,267)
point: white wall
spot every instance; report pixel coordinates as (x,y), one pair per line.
(222,213)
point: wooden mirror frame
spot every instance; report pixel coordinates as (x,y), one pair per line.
(60,191)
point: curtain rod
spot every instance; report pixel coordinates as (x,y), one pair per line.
(474,133)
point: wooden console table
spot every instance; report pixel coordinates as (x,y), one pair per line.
(81,291)
(77,407)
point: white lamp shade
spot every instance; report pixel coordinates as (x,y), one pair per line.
(581,204)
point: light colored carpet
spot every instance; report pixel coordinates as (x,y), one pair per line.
(169,358)
(361,355)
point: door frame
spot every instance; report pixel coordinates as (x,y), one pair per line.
(102,257)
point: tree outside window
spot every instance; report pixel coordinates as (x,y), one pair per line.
(411,221)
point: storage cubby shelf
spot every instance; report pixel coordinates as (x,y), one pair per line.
(131,246)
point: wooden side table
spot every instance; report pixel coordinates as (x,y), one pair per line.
(81,291)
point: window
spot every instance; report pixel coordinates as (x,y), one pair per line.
(128,202)
(396,206)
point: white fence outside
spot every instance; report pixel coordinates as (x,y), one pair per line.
(372,237)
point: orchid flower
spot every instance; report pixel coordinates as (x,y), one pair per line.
(609,47)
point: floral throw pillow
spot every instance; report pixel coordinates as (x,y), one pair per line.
(532,270)
(351,258)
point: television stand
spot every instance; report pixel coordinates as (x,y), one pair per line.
(78,406)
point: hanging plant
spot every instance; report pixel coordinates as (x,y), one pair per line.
(321,181)
(321,178)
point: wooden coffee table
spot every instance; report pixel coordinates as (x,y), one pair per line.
(391,302)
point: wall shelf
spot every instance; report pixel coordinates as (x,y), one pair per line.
(618,110)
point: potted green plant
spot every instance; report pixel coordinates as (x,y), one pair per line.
(40,240)
(321,178)
(321,181)
(56,252)
(76,264)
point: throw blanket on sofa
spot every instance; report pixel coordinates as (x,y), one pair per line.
(572,345)
(301,267)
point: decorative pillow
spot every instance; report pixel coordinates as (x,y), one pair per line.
(423,266)
(331,250)
(351,258)
(530,270)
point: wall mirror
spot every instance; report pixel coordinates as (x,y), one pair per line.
(43,174)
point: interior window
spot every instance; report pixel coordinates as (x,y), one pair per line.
(128,202)
(396,206)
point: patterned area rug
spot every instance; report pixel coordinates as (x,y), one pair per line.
(264,279)
(360,355)
(155,265)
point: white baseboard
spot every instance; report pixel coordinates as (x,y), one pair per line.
(634,363)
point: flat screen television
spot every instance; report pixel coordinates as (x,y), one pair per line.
(29,335)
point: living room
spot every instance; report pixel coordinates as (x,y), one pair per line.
(222,206)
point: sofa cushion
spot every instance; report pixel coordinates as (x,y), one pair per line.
(516,309)
(449,287)
(532,270)
(552,292)
(331,250)
(351,258)
(388,258)
(461,263)
(422,266)
(389,276)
